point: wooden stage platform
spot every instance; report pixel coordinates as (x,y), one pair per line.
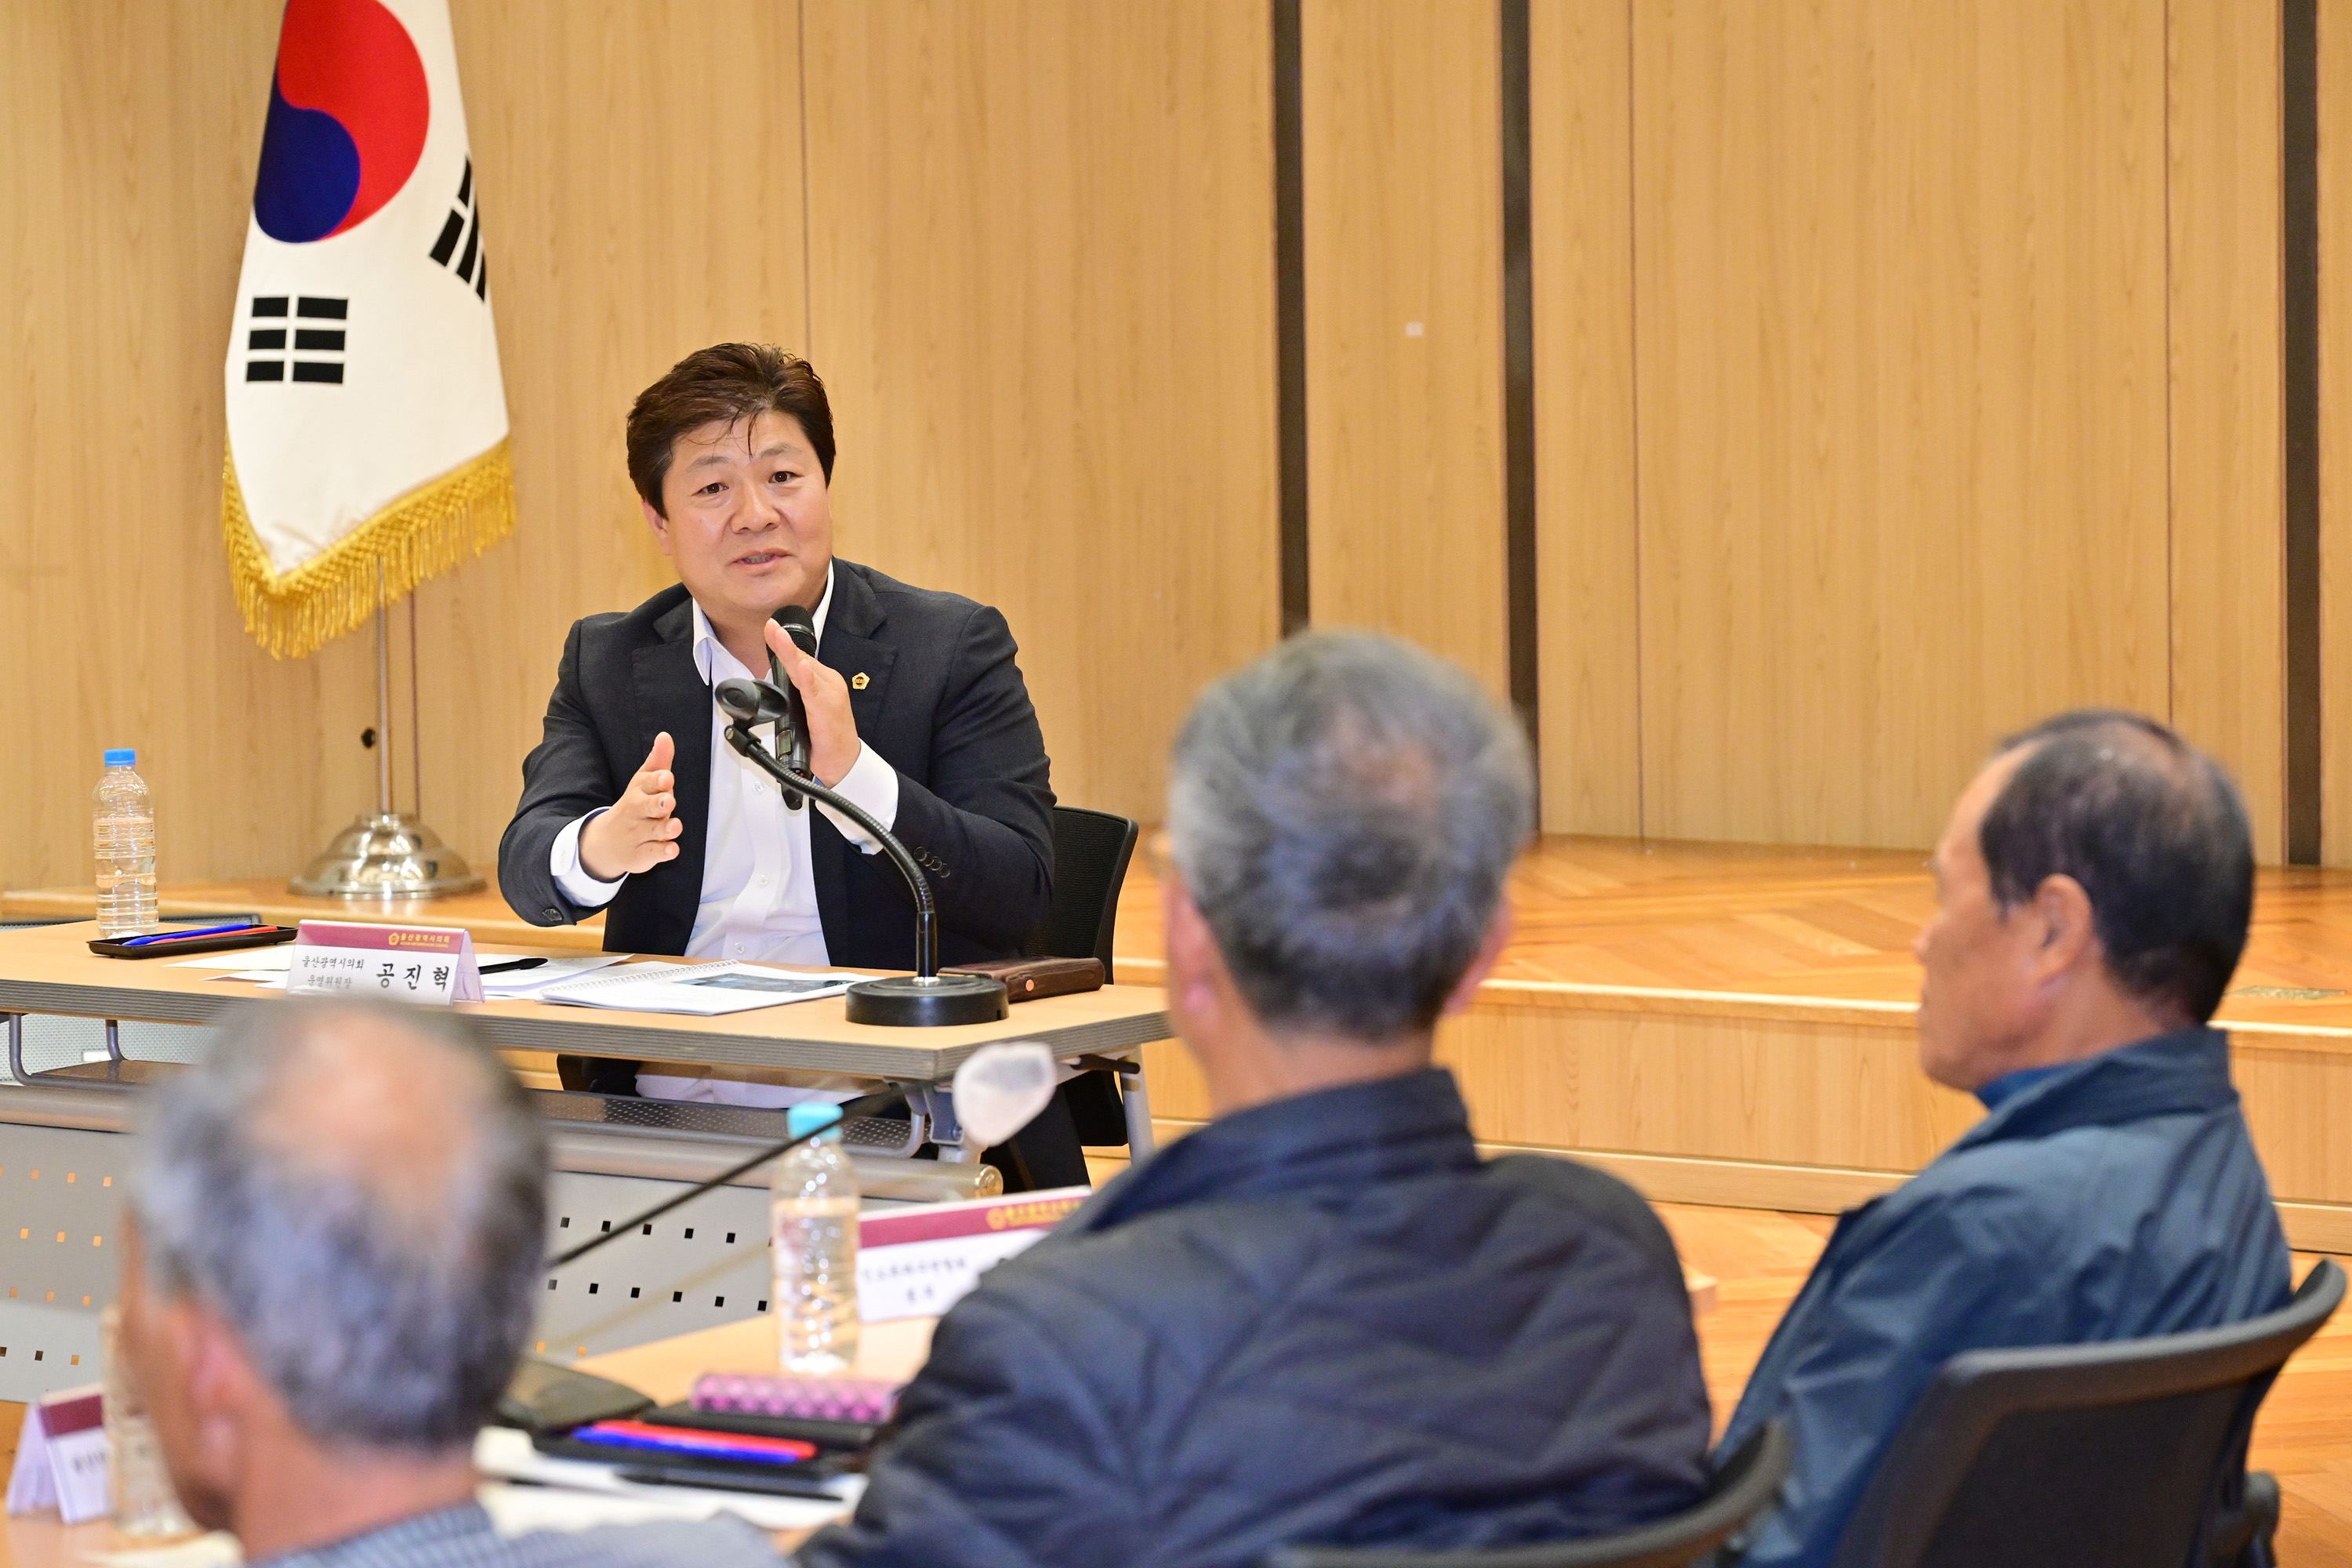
(1721,1024)
(1731,1024)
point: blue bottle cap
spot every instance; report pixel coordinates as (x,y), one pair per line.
(122,757)
(803,1118)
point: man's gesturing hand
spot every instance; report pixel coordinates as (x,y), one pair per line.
(834,744)
(638,832)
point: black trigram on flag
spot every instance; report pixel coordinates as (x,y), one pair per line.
(471,264)
(316,332)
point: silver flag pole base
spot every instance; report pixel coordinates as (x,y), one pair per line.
(386,854)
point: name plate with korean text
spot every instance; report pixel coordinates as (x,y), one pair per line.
(61,1457)
(919,1262)
(429,964)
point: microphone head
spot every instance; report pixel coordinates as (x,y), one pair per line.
(800,625)
(751,702)
(1000,1089)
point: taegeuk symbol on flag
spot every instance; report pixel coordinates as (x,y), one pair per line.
(367,421)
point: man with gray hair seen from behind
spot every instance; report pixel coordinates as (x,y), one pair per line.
(1322,1318)
(334,1235)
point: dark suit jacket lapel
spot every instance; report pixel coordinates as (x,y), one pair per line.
(671,696)
(847,647)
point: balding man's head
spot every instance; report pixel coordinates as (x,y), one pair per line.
(361,1190)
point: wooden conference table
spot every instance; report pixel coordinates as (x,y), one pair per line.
(665,1370)
(50,970)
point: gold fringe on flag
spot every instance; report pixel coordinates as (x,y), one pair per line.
(425,532)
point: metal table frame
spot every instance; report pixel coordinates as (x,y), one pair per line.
(1115,1045)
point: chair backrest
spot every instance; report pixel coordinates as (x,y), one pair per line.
(1091,849)
(2127,1452)
(1743,1482)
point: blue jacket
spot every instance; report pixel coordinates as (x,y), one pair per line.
(1323,1319)
(2112,1198)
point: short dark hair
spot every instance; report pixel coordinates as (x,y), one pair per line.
(726,382)
(2154,831)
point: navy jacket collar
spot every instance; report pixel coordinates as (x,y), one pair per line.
(1385,1130)
(2184,1073)
(855,610)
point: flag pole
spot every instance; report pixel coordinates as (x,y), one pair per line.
(382,701)
(415,723)
(388,854)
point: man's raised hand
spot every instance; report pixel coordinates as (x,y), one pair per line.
(641,829)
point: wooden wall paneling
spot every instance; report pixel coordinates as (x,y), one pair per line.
(623,230)
(2336,431)
(132,132)
(1803,1092)
(2298,1103)
(1404,323)
(640,168)
(1900,283)
(2227,655)
(1587,547)
(1042,280)
(1794,1090)
(1820,1094)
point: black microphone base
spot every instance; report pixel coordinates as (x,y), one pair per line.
(907,1002)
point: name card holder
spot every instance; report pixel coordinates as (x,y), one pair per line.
(434,965)
(61,1457)
(919,1262)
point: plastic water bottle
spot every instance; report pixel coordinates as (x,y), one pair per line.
(813,1224)
(139,1484)
(123,824)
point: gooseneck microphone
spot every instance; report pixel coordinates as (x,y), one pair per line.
(802,629)
(926,997)
(863,1105)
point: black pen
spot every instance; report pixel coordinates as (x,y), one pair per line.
(512,964)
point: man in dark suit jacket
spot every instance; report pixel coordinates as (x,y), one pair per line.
(941,699)
(632,801)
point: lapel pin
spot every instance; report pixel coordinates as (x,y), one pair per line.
(858,682)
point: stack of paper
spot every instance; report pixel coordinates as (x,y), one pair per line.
(703,990)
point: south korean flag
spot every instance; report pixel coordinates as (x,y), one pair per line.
(367,421)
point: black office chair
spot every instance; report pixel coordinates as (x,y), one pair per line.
(1744,1482)
(1091,852)
(2130,1453)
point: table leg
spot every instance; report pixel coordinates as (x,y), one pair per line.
(1136,1101)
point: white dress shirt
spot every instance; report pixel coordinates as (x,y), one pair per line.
(759,893)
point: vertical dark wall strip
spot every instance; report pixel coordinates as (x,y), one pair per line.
(2299,361)
(1518,369)
(1290,314)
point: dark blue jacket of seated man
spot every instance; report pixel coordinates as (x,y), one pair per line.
(1323,1317)
(2109,1194)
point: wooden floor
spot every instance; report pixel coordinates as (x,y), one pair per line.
(1758,1260)
(1832,925)
(1829,925)
(1725,1024)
